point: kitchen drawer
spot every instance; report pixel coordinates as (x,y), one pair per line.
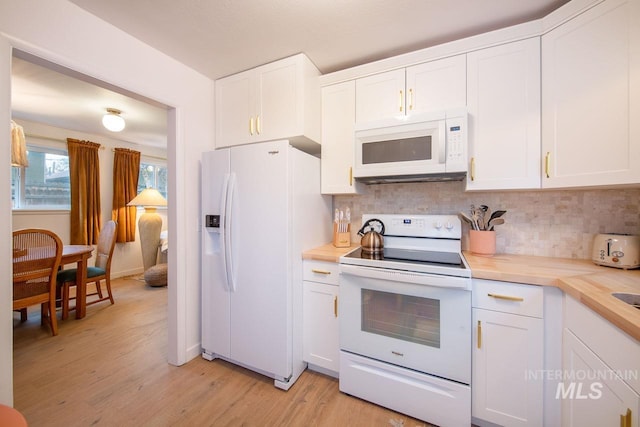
(321,271)
(525,300)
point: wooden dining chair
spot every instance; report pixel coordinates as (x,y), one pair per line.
(96,274)
(36,257)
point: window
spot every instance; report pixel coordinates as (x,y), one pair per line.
(153,175)
(44,184)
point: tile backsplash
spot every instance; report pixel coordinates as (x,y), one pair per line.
(555,223)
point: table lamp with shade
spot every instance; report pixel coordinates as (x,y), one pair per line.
(149,224)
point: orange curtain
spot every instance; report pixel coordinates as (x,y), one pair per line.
(84,172)
(126,169)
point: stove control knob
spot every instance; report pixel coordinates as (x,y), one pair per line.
(449,226)
(438,225)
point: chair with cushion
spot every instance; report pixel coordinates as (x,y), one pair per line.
(36,257)
(101,271)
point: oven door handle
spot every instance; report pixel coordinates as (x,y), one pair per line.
(425,279)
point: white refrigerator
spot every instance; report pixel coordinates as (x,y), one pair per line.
(261,208)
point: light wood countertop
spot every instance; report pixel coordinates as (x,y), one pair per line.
(588,283)
(328,252)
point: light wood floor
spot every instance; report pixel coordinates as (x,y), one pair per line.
(110,369)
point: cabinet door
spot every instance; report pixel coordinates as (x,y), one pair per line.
(381,96)
(503,89)
(235,106)
(597,396)
(591,98)
(320,319)
(278,110)
(507,348)
(338,120)
(436,85)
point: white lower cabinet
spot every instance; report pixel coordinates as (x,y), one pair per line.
(508,354)
(596,396)
(600,369)
(320,316)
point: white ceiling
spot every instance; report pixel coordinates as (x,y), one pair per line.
(222,37)
(45,93)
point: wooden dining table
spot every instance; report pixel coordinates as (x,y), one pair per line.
(78,254)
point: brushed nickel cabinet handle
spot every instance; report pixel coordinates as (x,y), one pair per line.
(315,270)
(505,297)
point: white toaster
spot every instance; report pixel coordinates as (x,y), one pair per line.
(616,250)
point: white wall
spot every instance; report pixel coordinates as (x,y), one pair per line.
(60,32)
(127,257)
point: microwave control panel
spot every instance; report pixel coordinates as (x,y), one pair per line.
(456,134)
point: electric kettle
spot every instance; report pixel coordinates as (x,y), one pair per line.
(372,240)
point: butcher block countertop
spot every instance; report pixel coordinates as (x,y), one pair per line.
(588,283)
(328,252)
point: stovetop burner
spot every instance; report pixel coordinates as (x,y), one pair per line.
(416,243)
(418,257)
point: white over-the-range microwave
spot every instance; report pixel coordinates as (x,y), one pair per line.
(424,147)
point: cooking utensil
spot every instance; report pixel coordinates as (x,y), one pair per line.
(475,217)
(497,214)
(495,221)
(463,216)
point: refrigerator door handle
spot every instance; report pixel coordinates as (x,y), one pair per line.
(223,214)
(228,238)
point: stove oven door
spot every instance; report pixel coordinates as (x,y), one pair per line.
(408,319)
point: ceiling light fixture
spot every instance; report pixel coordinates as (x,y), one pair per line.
(112,120)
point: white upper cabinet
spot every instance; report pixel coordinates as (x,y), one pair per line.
(380,96)
(503,100)
(280,100)
(338,148)
(436,85)
(431,86)
(591,98)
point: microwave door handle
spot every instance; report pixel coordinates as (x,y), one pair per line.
(442,142)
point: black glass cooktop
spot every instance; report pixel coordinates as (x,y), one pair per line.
(420,257)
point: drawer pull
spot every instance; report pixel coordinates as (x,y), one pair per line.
(506,297)
(315,270)
(625,420)
(479,334)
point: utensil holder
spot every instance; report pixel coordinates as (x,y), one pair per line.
(482,242)
(341,239)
